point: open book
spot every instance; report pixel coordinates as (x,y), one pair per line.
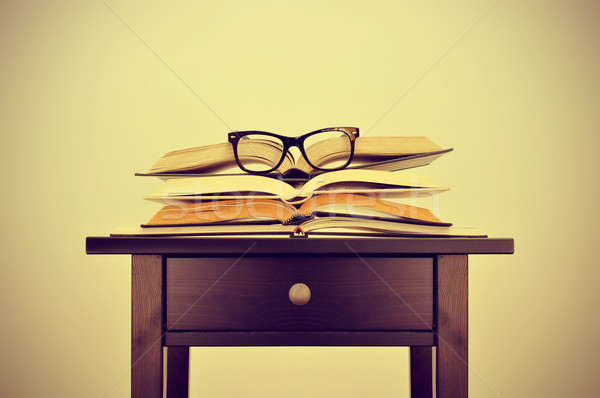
(273,211)
(377,153)
(372,182)
(330,225)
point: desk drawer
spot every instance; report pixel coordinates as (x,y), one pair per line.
(253,293)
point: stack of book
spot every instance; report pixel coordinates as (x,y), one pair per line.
(205,193)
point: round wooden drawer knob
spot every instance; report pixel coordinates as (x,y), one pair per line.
(299,294)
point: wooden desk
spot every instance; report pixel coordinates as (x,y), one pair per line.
(236,292)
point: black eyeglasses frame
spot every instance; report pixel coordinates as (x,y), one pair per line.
(288,142)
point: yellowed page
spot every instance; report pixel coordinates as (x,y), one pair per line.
(217,211)
(368,176)
(233,185)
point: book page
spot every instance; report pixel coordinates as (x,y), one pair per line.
(218,157)
(207,230)
(222,211)
(393,146)
(225,186)
(210,157)
(324,223)
(354,176)
(367,206)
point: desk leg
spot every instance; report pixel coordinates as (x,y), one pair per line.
(452,327)
(178,367)
(146,326)
(421,380)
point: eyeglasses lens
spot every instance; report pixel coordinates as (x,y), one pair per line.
(328,150)
(259,152)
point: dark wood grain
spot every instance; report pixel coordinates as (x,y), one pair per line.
(281,339)
(146,327)
(365,292)
(346,246)
(178,367)
(252,293)
(421,372)
(452,326)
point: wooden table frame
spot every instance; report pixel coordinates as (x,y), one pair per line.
(149,334)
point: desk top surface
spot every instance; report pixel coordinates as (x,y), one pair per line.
(296,246)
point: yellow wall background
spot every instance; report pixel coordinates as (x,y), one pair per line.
(92,92)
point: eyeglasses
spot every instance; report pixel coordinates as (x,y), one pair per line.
(259,152)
